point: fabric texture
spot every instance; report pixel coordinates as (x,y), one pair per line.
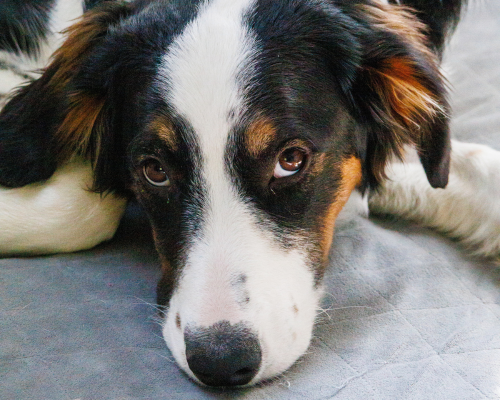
(407,313)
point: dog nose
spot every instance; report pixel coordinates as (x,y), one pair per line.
(223,354)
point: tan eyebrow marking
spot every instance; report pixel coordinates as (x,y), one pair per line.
(259,135)
(163,127)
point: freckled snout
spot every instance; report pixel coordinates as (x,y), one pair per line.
(223,354)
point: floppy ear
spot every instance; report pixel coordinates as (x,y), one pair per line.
(400,94)
(46,122)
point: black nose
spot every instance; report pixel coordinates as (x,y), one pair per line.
(223,354)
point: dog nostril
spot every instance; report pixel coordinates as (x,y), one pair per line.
(223,354)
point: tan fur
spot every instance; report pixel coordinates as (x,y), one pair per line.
(400,21)
(74,134)
(259,135)
(162,127)
(81,37)
(351,172)
(409,105)
(76,130)
(398,82)
(406,98)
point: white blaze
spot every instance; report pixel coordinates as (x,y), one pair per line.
(203,68)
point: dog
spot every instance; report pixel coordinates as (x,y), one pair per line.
(242,127)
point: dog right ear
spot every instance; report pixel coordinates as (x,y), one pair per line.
(31,123)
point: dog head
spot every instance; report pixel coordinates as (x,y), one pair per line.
(241,126)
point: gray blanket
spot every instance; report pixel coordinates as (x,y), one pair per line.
(407,314)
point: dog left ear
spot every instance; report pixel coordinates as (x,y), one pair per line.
(55,117)
(400,94)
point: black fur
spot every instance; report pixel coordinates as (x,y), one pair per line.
(27,124)
(440,16)
(339,39)
(24,24)
(382,137)
(315,79)
(176,213)
(89,4)
(30,121)
(124,75)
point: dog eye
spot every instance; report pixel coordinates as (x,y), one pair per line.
(155,173)
(290,162)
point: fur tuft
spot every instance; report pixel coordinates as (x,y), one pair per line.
(401,94)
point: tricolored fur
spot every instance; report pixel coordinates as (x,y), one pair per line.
(441,20)
(58,214)
(241,127)
(30,31)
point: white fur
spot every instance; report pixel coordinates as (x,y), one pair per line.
(59,215)
(9,80)
(277,281)
(204,67)
(62,16)
(468,209)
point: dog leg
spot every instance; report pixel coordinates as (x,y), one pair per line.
(58,215)
(468,209)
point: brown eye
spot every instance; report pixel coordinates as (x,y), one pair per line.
(155,174)
(290,162)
